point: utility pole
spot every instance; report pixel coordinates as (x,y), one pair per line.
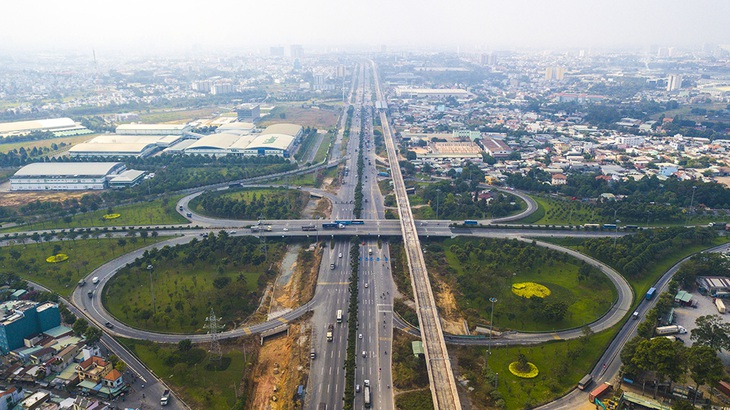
(691,203)
(213,330)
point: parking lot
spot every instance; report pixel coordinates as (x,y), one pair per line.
(686,316)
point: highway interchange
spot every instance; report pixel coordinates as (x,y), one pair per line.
(376,287)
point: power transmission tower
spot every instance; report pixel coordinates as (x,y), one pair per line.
(214,327)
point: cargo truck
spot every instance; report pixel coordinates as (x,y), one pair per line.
(668,330)
(720,306)
(598,391)
(366,392)
(330,330)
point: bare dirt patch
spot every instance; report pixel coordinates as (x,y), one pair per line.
(11,199)
(451,320)
(299,289)
(282,365)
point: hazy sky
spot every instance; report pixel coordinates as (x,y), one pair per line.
(83,24)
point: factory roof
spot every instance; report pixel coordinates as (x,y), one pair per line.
(20,126)
(160,127)
(271,141)
(215,141)
(286,129)
(131,147)
(39,169)
(163,140)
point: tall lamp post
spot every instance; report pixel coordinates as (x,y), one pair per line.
(150,268)
(491,329)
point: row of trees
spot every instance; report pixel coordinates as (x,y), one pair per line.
(357,209)
(352,325)
(634,255)
(279,204)
(664,200)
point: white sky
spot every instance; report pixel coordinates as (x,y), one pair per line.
(82,24)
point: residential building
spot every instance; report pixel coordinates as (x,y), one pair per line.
(20,320)
(93,369)
(559,179)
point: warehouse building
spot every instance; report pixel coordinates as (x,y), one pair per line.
(277,139)
(152,129)
(58,126)
(115,145)
(22,319)
(66,176)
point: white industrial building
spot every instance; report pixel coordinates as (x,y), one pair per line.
(151,129)
(116,145)
(277,139)
(69,176)
(62,126)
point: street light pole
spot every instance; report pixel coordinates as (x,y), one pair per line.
(491,329)
(150,268)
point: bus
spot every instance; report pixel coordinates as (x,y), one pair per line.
(339,315)
(471,222)
(585,382)
(609,226)
(350,222)
(309,228)
(330,225)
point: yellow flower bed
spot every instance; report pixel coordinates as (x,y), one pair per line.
(57,258)
(530,289)
(528,375)
(111,216)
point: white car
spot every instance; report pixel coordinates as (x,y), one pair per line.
(366,285)
(286,229)
(360,336)
(340,255)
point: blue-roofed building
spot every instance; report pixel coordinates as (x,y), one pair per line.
(20,320)
(18,294)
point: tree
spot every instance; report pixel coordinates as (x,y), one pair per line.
(704,366)
(80,326)
(711,332)
(184,345)
(661,356)
(92,335)
(682,405)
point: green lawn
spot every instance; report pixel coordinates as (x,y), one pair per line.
(156,212)
(296,180)
(324,148)
(484,268)
(226,274)
(85,255)
(561,364)
(28,145)
(199,384)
